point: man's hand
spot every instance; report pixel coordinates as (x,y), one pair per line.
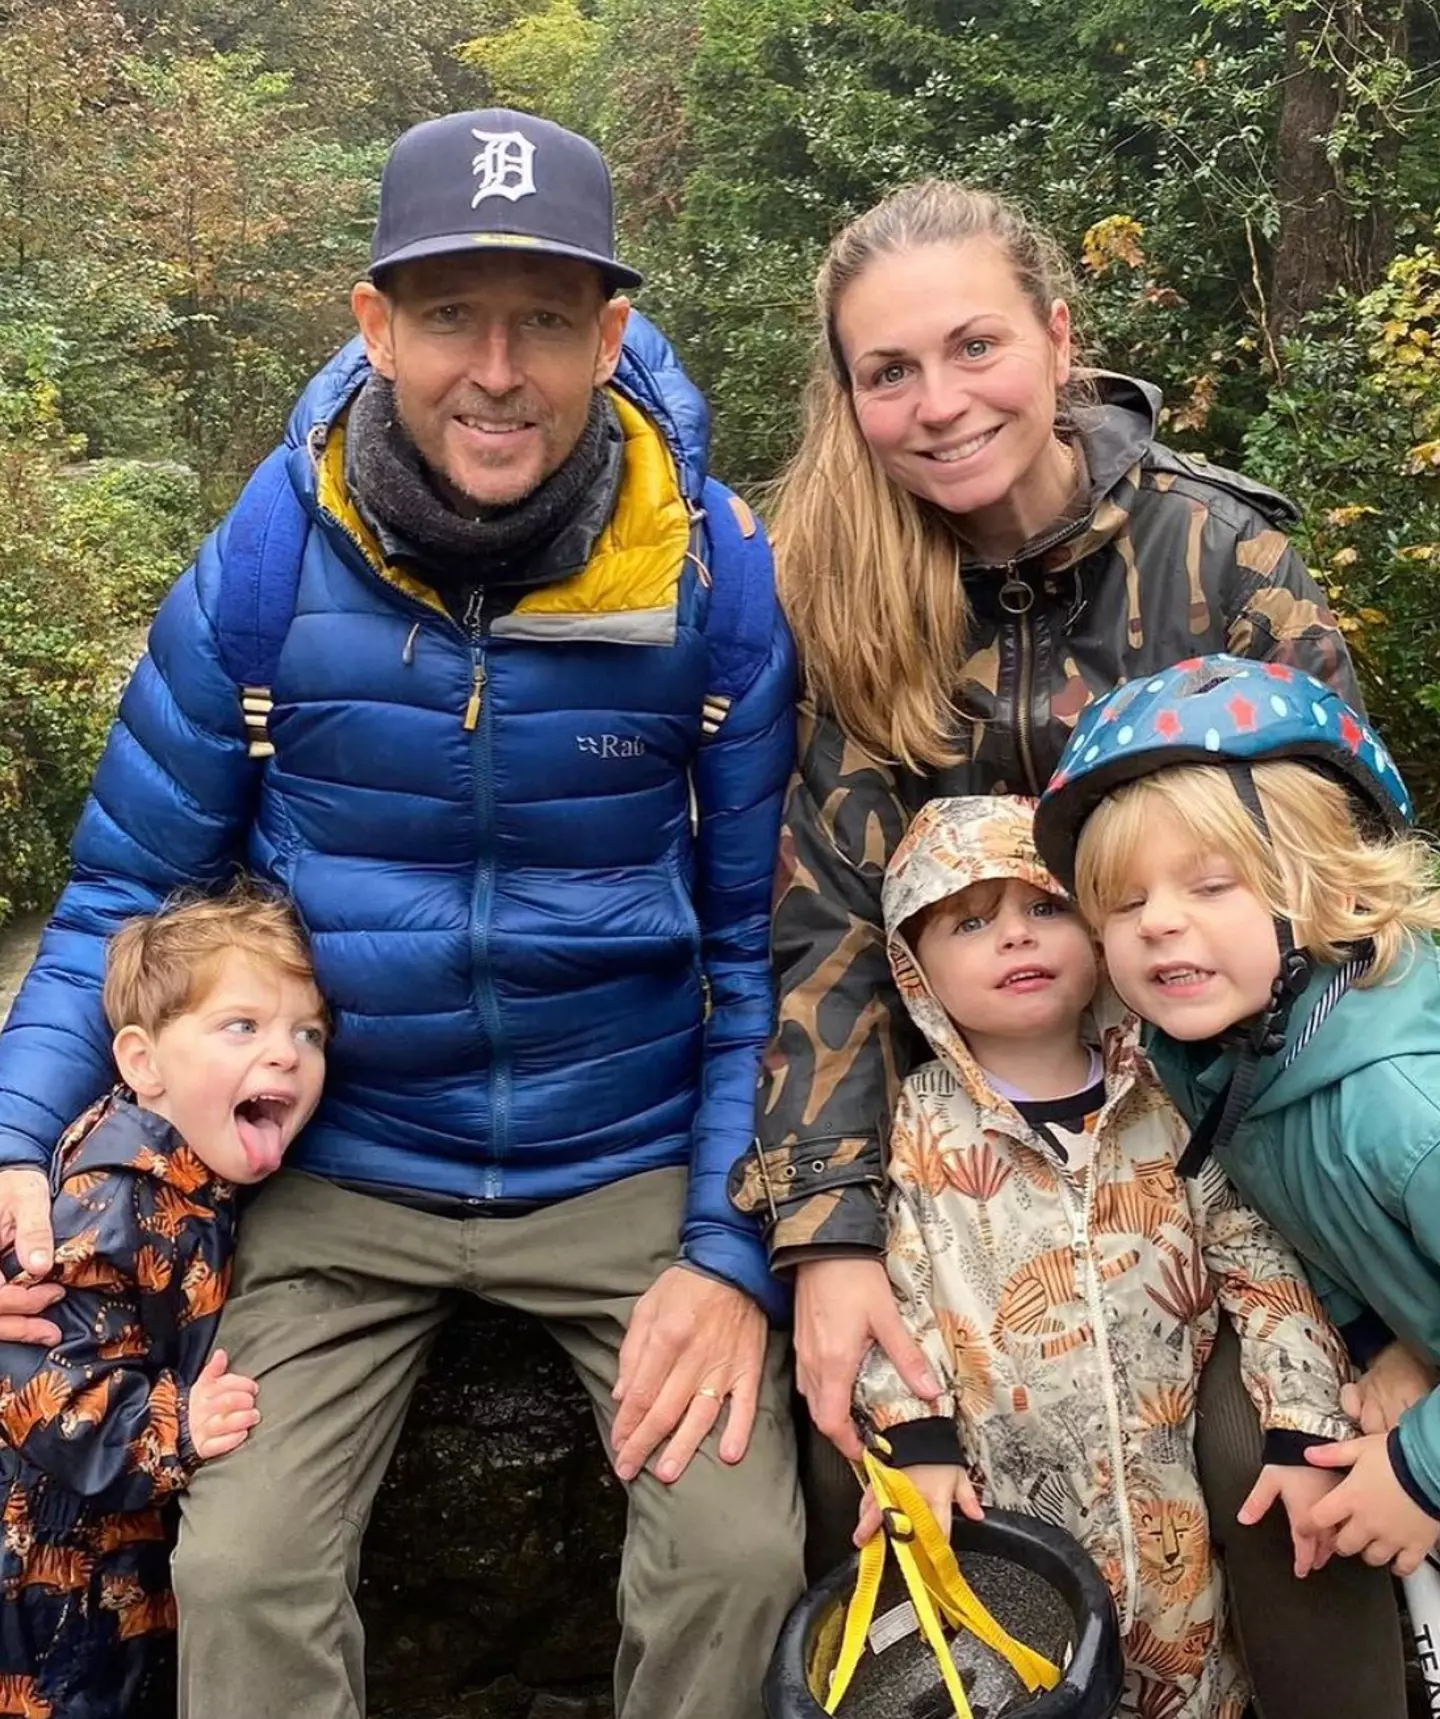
(693,1342)
(222,1408)
(842,1306)
(25,1226)
(941,1485)
(1370,1510)
(25,1219)
(1396,1379)
(1299,1490)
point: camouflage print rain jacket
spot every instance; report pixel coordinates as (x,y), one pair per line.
(1067,1306)
(1172,558)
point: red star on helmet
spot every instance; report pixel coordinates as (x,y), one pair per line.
(1188,666)
(1351,732)
(1279,671)
(1242,713)
(1168,724)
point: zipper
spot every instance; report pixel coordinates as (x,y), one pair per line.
(1024,631)
(474,626)
(1129,1552)
(479,723)
(686,903)
(1025,635)
(477,694)
(1025,675)
(1072,528)
(706,998)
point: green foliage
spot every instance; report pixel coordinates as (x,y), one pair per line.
(1147,138)
(187,187)
(86,549)
(1354,435)
(126,526)
(543,60)
(85,555)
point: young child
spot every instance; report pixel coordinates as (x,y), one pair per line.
(1059,1274)
(220,1047)
(1240,837)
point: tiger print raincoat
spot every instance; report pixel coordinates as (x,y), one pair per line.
(95,1429)
(1173,557)
(1067,1310)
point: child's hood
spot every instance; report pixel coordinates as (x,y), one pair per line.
(958,842)
(950,845)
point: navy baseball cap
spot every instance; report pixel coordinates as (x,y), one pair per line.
(496,180)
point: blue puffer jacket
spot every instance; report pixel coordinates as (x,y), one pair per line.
(527,872)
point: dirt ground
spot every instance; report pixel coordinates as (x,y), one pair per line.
(17,949)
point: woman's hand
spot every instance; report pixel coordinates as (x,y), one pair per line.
(842,1306)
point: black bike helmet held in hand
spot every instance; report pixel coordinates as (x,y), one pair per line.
(1036,1581)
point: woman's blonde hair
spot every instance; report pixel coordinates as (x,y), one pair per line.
(162,965)
(870,574)
(1334,877)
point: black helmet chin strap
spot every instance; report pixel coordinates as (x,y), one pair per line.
(1264,1034)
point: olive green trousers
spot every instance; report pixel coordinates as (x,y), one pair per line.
(337,1298)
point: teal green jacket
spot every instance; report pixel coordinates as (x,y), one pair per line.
(1341,1152)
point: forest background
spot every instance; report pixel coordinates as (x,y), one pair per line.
(1249,190)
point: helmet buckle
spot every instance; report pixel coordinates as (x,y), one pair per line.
(898,1525)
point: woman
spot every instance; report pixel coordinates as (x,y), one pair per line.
(973,542)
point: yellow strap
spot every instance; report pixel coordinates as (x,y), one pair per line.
(857,1619)
(954,1595)
(925,1611)
(933,1578)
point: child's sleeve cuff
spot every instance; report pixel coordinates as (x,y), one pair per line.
(1286,1448)
(1366,1336)
(190,1458)
(935,1439)
(1416,1493)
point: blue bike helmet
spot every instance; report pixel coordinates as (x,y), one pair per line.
(1212,710)
(1234,713)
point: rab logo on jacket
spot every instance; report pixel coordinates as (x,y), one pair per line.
(611,745)
(505,166)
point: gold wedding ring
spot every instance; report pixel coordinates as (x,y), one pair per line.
(708,1391)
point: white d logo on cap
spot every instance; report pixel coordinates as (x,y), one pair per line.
(504,166)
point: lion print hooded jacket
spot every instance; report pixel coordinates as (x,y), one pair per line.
(1173,558)
(1068,1308)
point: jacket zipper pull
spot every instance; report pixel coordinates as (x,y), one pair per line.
(477,693)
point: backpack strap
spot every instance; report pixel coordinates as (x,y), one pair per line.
(259,582)
(740,621)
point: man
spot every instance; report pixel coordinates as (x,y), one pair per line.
(532,840)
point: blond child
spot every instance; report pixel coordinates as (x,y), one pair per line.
(1240,836)
(1060,1276)
(219,1041)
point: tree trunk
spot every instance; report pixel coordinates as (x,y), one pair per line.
(1331,233)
